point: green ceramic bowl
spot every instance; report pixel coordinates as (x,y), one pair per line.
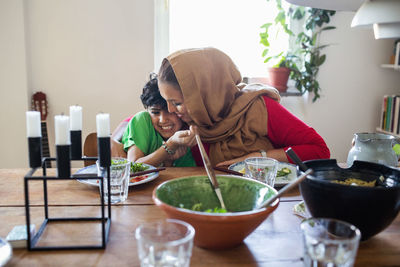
(216,230)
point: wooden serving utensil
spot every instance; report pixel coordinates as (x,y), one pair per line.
(284,189)
(147,171)
(228,171)
(210,171)
(303,167)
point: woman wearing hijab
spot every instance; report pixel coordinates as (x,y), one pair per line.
(203,87)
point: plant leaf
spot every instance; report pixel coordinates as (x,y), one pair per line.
(321,60)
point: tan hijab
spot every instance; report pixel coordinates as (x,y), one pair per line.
(230,116)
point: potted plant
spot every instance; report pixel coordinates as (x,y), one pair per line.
(305,56)
(283,62)
(278,74)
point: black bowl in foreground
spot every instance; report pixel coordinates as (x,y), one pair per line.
(371,209)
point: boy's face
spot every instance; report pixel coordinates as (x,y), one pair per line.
(164,122)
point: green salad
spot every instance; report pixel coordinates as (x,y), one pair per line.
(283,172)
(135,166)
(199,207)
(138,167)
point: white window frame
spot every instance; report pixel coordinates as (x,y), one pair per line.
(161,32)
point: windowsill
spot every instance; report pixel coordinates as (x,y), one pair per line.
(291,91)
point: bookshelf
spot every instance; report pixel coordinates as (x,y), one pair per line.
(379,130)
(395,60)
(391,66)
(390,114)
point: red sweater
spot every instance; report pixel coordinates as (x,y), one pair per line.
(286,130)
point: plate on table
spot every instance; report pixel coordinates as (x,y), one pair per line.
(136,180)
(280,180)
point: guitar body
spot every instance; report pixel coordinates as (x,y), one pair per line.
(39,103)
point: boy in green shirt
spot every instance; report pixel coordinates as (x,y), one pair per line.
(153,136)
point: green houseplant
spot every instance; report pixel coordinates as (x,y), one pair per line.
(305,56)
(283,61)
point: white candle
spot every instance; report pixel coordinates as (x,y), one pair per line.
(75,113)
(61,124)
(33,124)
(103,125)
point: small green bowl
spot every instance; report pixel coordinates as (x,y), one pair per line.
(216,230)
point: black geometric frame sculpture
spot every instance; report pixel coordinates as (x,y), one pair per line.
(34,154)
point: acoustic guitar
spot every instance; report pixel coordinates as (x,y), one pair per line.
(39,103)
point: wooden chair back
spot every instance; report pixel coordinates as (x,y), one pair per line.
(90,148)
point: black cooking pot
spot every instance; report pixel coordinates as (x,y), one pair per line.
(371,209)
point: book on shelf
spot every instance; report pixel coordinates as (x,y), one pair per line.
(383,114)
(397,55)
(396,115)
(393,113)
(390,114)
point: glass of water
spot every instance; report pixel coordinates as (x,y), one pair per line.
(261,169)
(165,243)
(119,179)
(329,242)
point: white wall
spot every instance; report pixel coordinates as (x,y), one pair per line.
(95,53)
(13,85)
(98,53)
(352,83)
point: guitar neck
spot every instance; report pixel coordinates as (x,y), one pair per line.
(45,140)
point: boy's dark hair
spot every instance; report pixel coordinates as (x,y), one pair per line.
(151,94)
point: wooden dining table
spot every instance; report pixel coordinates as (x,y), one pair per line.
(276,242)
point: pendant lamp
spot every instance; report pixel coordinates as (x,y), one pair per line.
(383,15)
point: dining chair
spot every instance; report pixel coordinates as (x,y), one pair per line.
(90,148)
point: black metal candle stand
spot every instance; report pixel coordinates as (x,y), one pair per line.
(32,241)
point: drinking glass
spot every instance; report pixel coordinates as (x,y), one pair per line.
(261,169)
(119,179)
(165,243)
(329,242)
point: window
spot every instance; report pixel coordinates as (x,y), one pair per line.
(232,26)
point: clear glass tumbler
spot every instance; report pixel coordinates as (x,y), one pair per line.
(329,242)
(119,179)
(166,243)
(261,169)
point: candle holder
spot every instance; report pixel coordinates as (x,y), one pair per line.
(64,173)
(104,151)
(35,151)
(76,144)
(63,161)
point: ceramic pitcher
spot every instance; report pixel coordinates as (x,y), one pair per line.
(373,147)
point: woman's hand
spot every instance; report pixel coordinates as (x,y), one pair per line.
(184,138)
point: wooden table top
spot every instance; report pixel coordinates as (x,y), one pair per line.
(276,242)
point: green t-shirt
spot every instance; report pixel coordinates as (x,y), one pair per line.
(141,133)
